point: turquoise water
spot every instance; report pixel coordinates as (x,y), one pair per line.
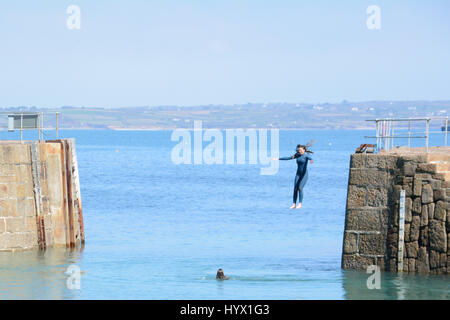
(156,230)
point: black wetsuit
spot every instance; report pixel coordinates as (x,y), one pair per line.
(302,174)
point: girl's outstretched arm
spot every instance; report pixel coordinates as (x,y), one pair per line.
(285,158)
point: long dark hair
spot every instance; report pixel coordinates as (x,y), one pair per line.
(220,274)
(305,147)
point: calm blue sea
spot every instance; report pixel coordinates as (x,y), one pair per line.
(156,230)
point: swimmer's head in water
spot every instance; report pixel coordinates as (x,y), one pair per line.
(220,275)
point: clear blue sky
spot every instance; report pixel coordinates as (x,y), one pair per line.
(190,52)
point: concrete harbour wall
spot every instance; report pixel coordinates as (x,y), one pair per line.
(40,201)
(371,233)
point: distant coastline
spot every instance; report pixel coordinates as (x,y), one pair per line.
(188,128)
(285,116)
(218,128)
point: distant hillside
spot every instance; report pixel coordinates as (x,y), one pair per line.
(344,115)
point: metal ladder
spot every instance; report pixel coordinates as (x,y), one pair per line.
(76,178)
(38,194)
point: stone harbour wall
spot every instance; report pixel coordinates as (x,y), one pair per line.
(372,212)
(40,202)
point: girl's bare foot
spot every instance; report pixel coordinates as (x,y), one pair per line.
(299,205)
(292,207)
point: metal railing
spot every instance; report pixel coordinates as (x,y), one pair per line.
(21,121)
(389,129)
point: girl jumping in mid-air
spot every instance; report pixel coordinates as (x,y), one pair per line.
(302,155)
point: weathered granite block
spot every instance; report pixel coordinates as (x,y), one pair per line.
(425,177)
(436,184)
(393,215)
(437,236)
(5,207)
(407,180)
(409,169)
(368,177)
(448,243)
(426,167)
(427,194)
(11,241)
(355,261)
(422,262)
(392,264)
(424,236)
(448,262)
(392,244)
(396,192)
(376,197)
(358,161)
(417,191)
(431,209)
(443,260)
(412,249)
(438,176)
(415,229)
(405,264)
(439,194)
(356,197)
(440,211)
(372,244)
(381,161)
(407,231)
(350,242)
(411,265)
(408,209)
(408,187)
(16,224)
(435,258)
(367,219)
(424,216)
(417,206)
(26,207)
